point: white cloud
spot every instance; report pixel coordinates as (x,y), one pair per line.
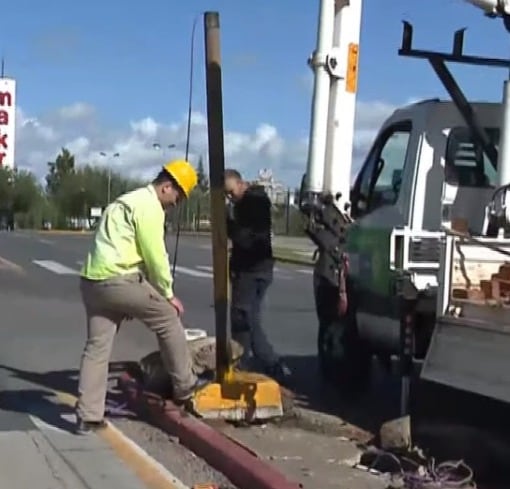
(78,128)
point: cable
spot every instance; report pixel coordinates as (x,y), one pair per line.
(188,138)
(422,473)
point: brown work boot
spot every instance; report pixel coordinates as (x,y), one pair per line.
(185,399)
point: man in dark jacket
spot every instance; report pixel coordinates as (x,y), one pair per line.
(251,269)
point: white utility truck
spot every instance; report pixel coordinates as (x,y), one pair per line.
(414,256)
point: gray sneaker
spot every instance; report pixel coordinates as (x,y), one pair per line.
(87,427)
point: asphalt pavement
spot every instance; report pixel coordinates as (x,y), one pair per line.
(48,266)
(43,331)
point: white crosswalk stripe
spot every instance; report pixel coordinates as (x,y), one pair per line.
(197,271)
(56,267)
(206,268)
(192,272)
(306,271)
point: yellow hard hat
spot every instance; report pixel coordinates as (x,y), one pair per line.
(184,175)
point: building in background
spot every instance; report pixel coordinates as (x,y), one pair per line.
(276,191)
(7,122)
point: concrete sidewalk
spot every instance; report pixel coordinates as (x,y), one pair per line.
(39,448)
(53,459)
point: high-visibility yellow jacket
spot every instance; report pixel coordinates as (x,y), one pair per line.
(130,238)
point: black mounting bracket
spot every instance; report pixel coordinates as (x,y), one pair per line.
(438,62)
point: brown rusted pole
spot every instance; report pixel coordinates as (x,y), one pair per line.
(216,176)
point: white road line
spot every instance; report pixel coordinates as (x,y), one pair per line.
(206,268)
(283,273)
(45,241)
(56,267)
(306,271)
(79,262)
(42,425)
(192,272)
(6,264)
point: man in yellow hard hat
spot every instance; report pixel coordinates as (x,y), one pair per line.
(127,275)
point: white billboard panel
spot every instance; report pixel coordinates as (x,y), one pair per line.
(7,122)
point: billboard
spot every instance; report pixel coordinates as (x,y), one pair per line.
(7,122)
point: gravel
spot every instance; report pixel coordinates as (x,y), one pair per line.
(167,450)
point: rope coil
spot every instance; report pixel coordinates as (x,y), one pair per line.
(422,473)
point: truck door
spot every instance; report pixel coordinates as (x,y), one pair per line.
(381,201)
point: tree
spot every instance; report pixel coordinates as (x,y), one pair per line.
(86,187)
(58,170)
(27,193)
(6,188)
(203,181)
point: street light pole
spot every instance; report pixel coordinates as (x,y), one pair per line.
(109,189)
(108,198)
(158,147)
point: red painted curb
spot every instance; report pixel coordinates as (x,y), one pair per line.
(236,462)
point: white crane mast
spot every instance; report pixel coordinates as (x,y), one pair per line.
(335,66)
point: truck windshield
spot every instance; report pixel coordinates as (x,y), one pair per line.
(466,164)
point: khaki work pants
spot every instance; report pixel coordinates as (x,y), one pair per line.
(107,303)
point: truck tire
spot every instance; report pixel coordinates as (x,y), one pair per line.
(344,359)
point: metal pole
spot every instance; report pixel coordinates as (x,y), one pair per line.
(504,146)
(216,175)
(287,213)
(109,184)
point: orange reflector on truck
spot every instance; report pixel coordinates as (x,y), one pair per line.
(351,78)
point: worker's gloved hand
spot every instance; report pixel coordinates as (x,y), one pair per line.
(175,302)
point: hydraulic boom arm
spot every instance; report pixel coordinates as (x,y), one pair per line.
(325,193)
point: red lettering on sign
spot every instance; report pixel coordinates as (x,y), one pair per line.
(5,99)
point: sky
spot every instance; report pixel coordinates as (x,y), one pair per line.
(112,77)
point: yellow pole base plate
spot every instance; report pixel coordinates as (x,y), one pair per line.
(244,396)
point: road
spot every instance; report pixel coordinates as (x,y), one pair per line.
(43,334)
(50,265)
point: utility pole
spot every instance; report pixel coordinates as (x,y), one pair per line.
(216,175)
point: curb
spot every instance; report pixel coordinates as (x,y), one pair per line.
(281,259)
(65,232)
(293,261)
(236,462)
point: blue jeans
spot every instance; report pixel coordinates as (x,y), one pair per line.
(248,292)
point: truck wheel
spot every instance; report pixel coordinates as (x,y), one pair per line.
(344,359)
